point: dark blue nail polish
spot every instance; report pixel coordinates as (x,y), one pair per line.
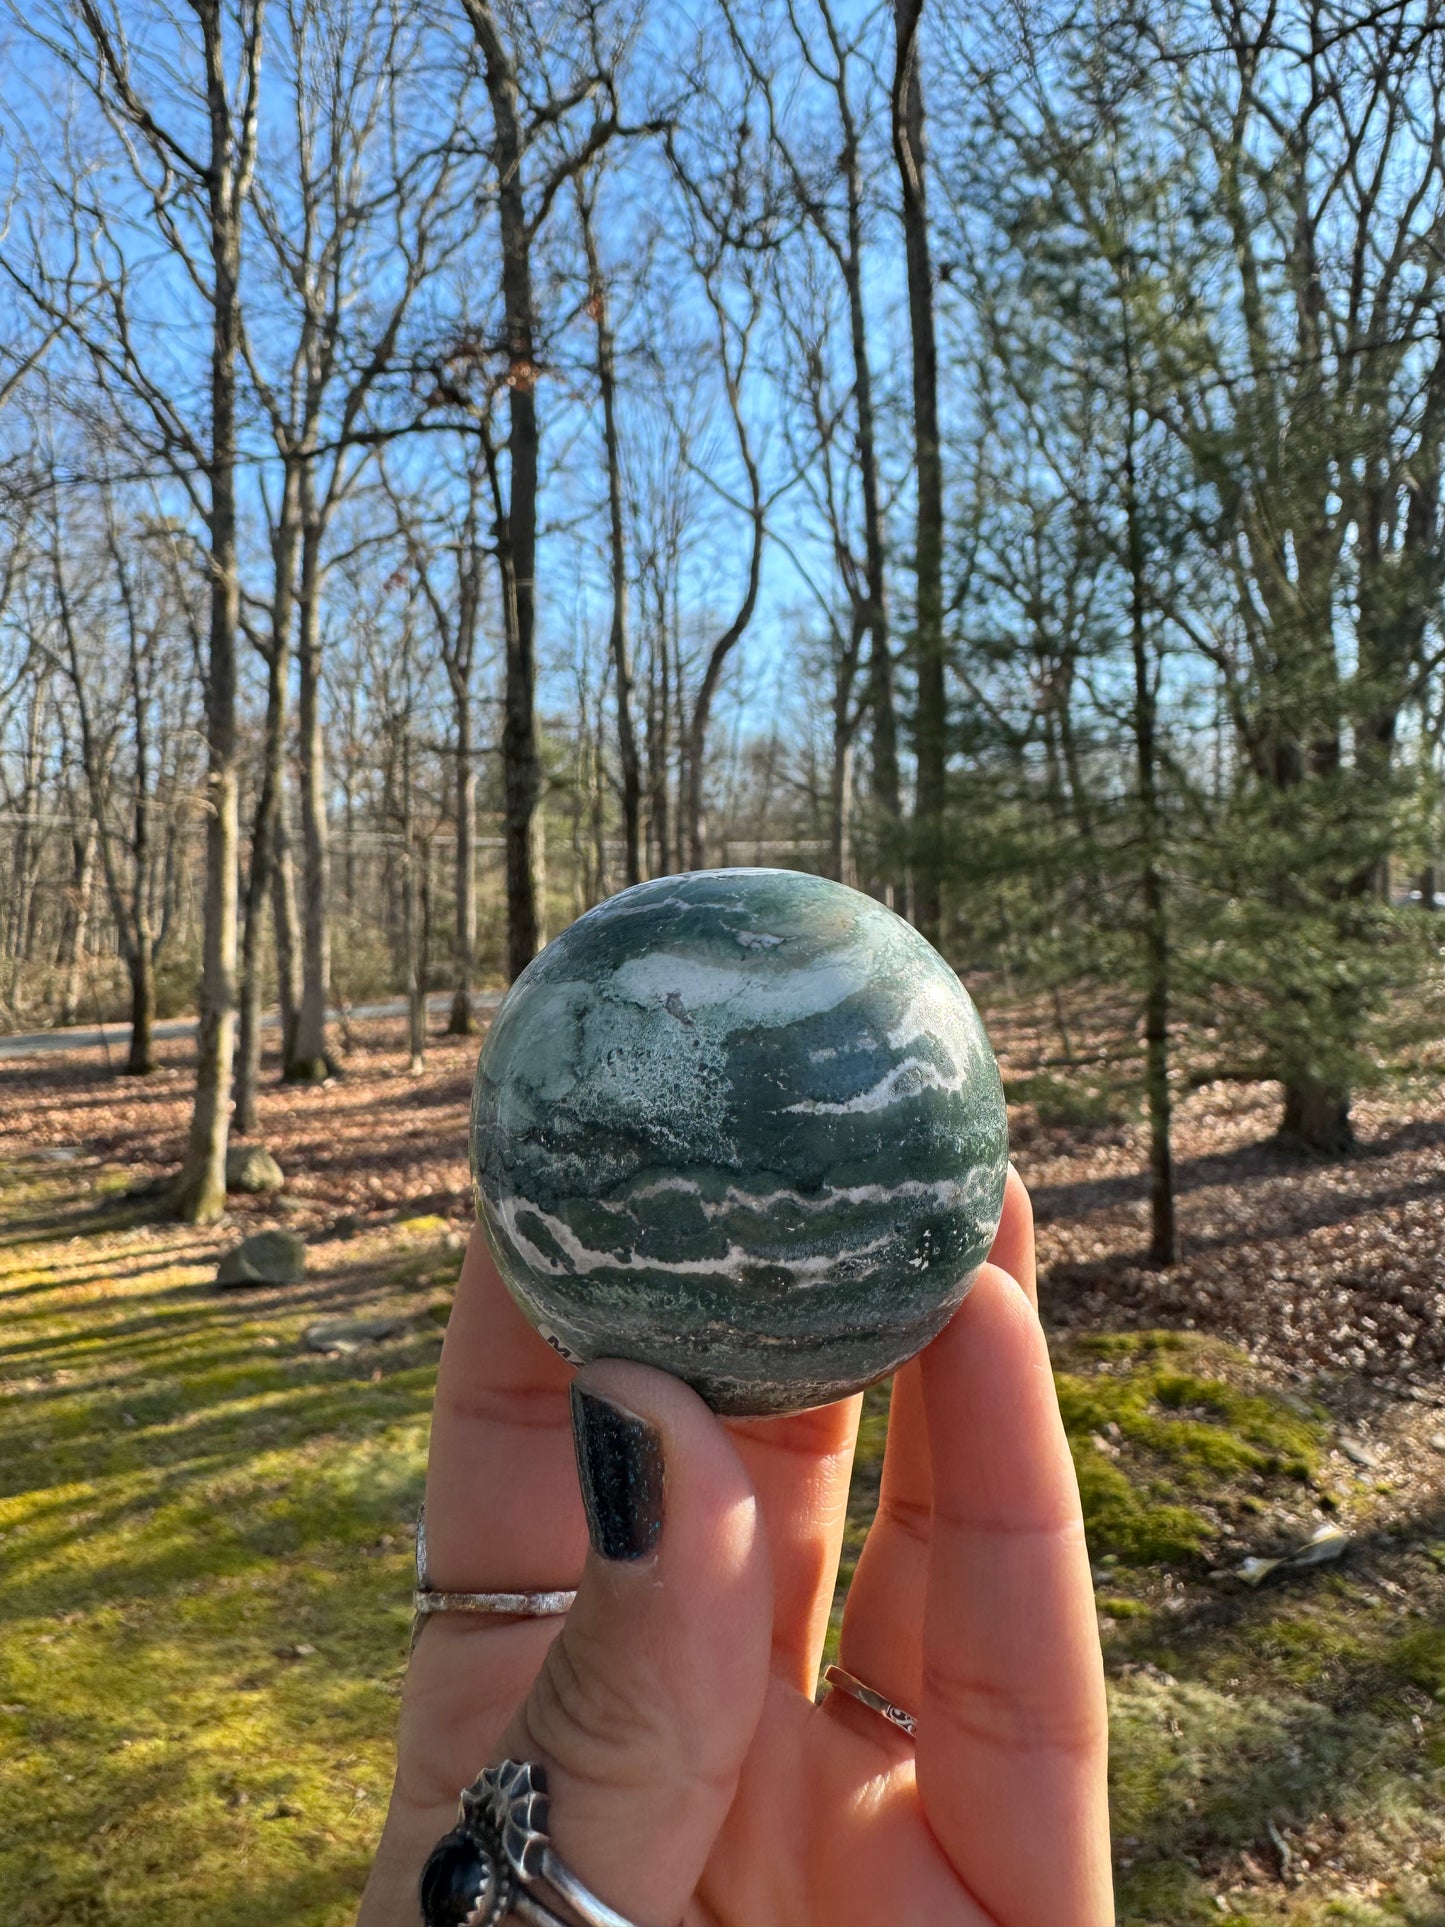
(619,1462)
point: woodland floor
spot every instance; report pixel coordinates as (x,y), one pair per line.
(205,1527)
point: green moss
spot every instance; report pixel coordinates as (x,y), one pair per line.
(187,1497)
(112,1184)
(1119,1606)
(1131,1344)
(1139,1527)
(1310,1644)
(862,1502)
(1419,1658)
(1198,1770)
(1167,1434)
(426,1255)
(1163,1892)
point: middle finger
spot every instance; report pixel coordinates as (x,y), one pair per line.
(800,1466)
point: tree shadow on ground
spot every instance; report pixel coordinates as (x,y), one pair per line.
(1329,1719)
(1247,1165)
(101,1844)
(183,1387)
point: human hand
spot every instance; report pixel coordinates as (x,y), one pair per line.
(692,1775)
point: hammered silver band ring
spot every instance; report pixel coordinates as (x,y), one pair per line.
(857,1689)
(427,1599)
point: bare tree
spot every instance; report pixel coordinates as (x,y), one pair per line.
(136,691)
(454,597)
(664,502)
(270,873)
(729,206)
(844,64)
(182,127)
(930,729)
(618,641)
(535,96)
(362,177)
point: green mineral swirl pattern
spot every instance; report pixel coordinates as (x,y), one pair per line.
(744,1125)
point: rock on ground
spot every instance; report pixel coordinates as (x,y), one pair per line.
(345,1335)
(251,1167)
(268,1258)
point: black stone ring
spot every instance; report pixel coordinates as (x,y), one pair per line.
(492,1861)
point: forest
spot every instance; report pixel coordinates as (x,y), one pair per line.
(460,458)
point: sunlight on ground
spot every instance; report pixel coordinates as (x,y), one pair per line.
(204,1589)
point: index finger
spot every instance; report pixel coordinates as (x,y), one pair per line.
(1012,1732)
(503,1514)
(503,1510)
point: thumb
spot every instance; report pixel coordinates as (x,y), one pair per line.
(647,1701)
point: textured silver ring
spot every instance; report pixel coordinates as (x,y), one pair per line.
(426,1600)
(499,1853)
(855,1688)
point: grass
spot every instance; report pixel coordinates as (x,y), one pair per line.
(1191,1435)
(204,1570)
(1295,1731)
(1313,1707)
(203,1587)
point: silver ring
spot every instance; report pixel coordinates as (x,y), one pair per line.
(499,1852)
(426,1600)
(855,1689)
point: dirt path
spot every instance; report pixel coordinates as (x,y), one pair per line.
(116,1037)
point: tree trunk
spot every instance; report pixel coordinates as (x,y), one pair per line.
(885,859)
(627,757)
(1163,1232)
(78,927)
(930,725)
(840,807)
(840,774)
(264,830)
(202,1190)
(248,1031)
(462,1022)
(659,750)
(25,853)
(140,1059)
(602,881)
(1317,1115)
(517,527)
(415,995)
(411,921)
(258,883)
(312,1062)
(286,925)
(695,773)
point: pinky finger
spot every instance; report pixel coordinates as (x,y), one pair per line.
(1012,1735)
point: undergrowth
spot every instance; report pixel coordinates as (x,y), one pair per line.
(204,1581)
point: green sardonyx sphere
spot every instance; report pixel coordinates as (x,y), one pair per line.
(744,1125)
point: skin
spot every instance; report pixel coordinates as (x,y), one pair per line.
(692,1776)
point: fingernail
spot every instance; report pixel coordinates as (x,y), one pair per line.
(619,1462)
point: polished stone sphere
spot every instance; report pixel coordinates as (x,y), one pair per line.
(744,1125)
